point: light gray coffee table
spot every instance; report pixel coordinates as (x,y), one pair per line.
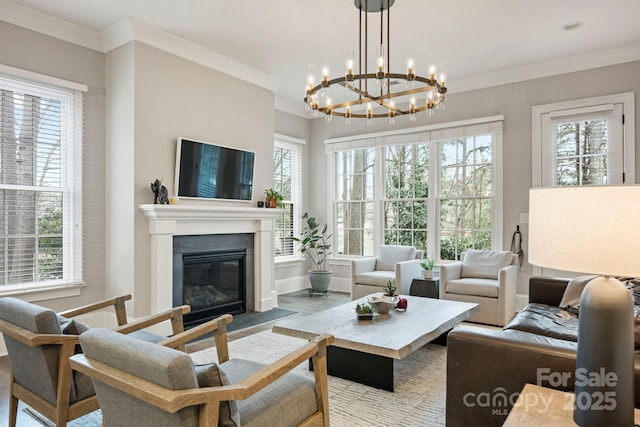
(364,351)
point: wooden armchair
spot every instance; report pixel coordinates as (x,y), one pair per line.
(39,343)
(143,384)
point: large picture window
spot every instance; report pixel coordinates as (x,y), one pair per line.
(435,189)
(40,185)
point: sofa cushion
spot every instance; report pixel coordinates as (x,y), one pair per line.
(212,375)
(484,264)
(478,287)
(286,402)
(389,255)
(376,278)
(546,320)
(573,291)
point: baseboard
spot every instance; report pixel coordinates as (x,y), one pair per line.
(297,283)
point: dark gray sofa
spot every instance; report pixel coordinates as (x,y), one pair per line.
(487,368)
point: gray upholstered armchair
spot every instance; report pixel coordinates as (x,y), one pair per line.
(39,343)
(144,384)
(486,278)
(400,264)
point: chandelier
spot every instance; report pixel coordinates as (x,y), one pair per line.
(379,93)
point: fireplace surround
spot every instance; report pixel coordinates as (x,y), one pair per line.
(168,221)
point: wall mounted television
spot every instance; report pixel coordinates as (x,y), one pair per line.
(210,171)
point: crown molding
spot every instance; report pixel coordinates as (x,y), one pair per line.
(554,67)
(130,29)
(291,107)
(30,19)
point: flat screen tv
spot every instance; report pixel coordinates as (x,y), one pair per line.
(210,171)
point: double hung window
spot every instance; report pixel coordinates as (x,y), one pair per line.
(40,185)
(435,188)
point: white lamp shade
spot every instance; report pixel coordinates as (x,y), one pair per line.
(591,229)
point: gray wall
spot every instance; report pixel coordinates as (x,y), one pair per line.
(165,97)
(514,101)
(35,52)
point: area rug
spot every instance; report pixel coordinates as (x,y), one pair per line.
(93,419)
(418,400)
(420,381)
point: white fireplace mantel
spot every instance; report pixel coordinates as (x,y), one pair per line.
(166,221)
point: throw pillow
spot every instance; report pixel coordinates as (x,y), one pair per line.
(212,375)
(484,264)
(573,291)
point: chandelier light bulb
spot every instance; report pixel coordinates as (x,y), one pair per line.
(392,113)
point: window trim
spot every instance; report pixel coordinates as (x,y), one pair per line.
(628,130)
(407,135)
(32,291)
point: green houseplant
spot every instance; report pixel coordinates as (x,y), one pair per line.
(316,244)
(273,199)
(428,264)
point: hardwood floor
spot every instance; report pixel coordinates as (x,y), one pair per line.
(299,301)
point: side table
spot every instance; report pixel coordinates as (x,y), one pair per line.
(429,288)
(538,406)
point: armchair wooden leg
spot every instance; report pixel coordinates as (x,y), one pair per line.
(13,405)
(322,386)
(209,414)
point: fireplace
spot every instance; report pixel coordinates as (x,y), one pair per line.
(170,223)
(213,283)
(213,274)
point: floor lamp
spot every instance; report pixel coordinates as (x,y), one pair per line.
(594,230)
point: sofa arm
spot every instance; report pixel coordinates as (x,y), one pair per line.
(547,290)
(448,272)
(482,390)
(362,265)
(406,271)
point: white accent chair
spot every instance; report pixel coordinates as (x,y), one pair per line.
(400,264)
(486,278)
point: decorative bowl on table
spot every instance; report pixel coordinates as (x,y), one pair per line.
(383,304)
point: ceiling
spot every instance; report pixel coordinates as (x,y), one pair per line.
(475,38)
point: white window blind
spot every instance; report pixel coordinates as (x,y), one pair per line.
(40,185)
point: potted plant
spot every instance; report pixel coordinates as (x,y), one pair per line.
(387,302)
(273,199)
(389,289)
(364,311)
(428,264)
(316,244)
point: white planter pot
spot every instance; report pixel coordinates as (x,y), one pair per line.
(427,274)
